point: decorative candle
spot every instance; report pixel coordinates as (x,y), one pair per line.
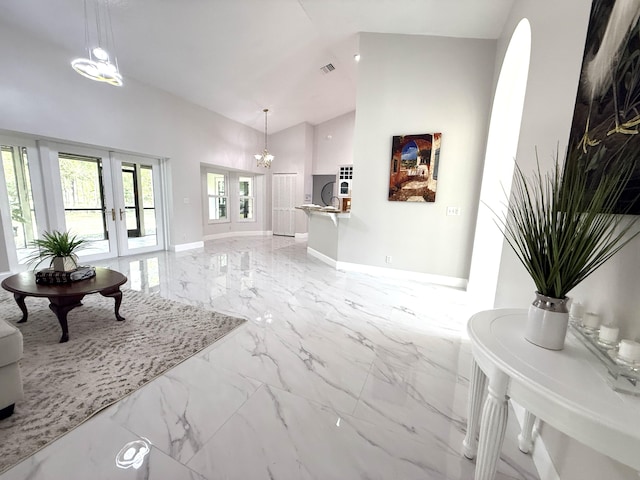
(576,311)
(608,334)
(591,320)
(629,350)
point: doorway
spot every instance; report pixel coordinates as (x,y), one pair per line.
(137,182)
(502,145)
(111,200)
(323,189)
(84,199)
(283,200)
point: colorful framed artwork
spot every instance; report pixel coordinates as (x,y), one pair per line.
(414,167)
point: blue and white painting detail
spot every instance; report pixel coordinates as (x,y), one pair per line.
(414,167)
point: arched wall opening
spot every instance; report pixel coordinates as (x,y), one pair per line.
(502,144)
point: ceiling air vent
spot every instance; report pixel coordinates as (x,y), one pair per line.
(328,68)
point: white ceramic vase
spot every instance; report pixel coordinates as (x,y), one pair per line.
(547,322)
(64,264)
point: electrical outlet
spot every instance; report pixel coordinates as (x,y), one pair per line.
(387,259)
(453,211)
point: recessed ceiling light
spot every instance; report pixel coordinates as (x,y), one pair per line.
(356,57)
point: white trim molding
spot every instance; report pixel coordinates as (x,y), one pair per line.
(181,247)
(322,257)
(302,236)
(404,274)
(389,272)
(258,233)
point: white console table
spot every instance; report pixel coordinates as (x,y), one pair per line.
(566,389)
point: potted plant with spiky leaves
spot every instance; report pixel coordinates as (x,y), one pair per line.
(58,247)
(562,227)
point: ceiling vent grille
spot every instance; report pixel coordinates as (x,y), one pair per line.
(328,68)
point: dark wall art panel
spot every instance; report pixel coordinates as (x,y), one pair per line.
(606,120)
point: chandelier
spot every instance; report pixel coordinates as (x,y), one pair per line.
(98,65)
(264,159)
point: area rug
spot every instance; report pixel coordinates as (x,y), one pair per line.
(104,360)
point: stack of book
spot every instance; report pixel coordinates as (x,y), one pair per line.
(50,276)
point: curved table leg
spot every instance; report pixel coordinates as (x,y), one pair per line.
(61,306)
(525,439)
(476,390)
(492,427)
(117,296)
(19,298)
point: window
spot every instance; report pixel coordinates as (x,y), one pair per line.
(246,198)
(217,194)
(18,184)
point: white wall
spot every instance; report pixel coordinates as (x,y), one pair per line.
(502,144)
(41,95)
(293,150)
(333,144)
(558,32)
(557,42)
(417,84)
(307,190)
(323,235)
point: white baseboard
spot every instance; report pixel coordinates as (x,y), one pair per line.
(539,454)
(404,274)
(389,272)
(322,257)
(302,236)
(217,236)
(181,247)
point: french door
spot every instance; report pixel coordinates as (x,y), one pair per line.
(138,203)
(88,203)
(111,200)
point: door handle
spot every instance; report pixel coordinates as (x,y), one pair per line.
(113,214)
(121,212)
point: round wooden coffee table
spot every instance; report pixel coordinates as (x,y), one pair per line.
(65,297)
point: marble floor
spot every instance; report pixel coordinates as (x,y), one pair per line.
(335,376)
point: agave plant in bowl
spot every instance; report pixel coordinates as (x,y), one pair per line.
(562,227)
(59,248)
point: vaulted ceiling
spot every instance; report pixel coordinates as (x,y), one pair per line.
(236,57)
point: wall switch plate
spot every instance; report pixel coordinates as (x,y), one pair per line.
(387,259)
(453,211)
